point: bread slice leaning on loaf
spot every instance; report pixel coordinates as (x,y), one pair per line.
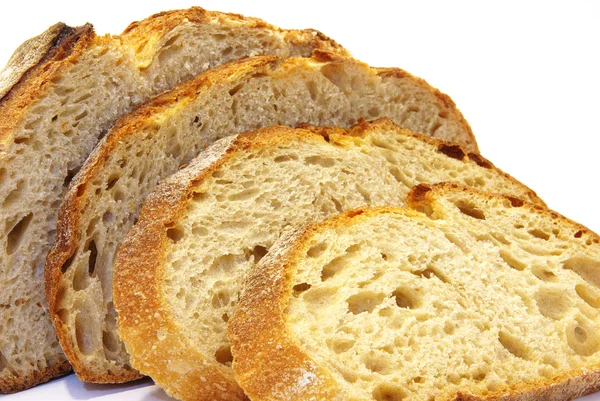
(485,298)
(59,94)
(178,273)
(156,139)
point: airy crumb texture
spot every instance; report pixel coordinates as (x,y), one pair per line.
(59,94)
(178,274)
(487,298)
(155,140)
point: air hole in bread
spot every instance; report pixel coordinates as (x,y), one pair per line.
(3,362)
(244,195)
(14,195)
(174,148)
(376,364)
(199,196)
(118,195)
(175,234)
(84,342)
(513,345)
(218,174)
(255,254)
(581,338)
(334,267)
(389,392)
(431,272)
(15,236)
(300,288)
(108,217)
(589,294)
(480,375)
(199,231)
(436,126)
(537,233)
(223,355)
(336,74)
(220,300)
(401,177)
(91,226)
(112,180)
(552,303)
(312,90)
(223,265)
(511,260)
(23,140)
(340,346)
(285,158)
(91,247)
(587,268)
(405,298)
(317,250)
(68,263)
(197,122)
(81,115)
(470,210)
(320,161)
(449,328)
(382,144)
(543,273)
(235,89)
(224,317)
(364,301)
(110,342)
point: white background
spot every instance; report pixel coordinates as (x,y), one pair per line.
(526,75)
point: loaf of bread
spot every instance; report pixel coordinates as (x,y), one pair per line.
(59,94)
(156,139)
(483,298)
(178,273)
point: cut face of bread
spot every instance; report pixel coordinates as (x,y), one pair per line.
(59,94)
(178,274)
(492,299)
(156,139)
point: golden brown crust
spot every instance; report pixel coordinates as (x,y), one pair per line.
(259,326)
(59,47)
(33,378)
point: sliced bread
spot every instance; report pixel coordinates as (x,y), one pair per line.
(178,273)
(488,298)
(156,139)
(59,94)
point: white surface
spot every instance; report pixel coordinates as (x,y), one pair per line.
(526,75)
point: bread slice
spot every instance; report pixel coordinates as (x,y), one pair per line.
(59,94)
(489,298)
(178,273)
(156,139)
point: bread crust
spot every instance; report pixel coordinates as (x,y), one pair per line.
(260,323)
(34,377)
(139,265)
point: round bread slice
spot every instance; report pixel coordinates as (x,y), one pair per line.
(155,140)
(489,298)
(178,273)
(59,94)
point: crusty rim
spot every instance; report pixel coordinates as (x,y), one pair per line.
(33,378)
(259,335)
(139,264)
